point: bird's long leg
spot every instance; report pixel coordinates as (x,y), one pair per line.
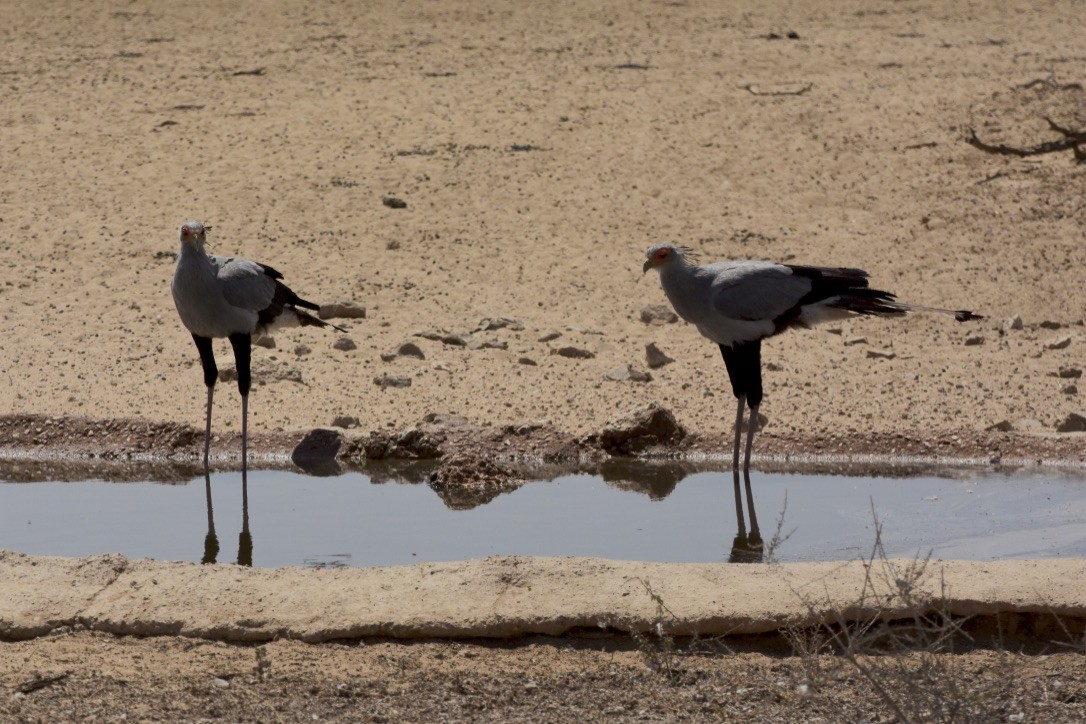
(752,424)
(211,540)
(755,533)
(242,344)
(738,432)
(211,374)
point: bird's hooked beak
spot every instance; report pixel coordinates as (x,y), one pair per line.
(646,267)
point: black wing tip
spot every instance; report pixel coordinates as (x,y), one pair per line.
(964,315)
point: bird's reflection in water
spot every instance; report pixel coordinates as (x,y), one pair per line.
(211,541)
(747,547)
(245,539)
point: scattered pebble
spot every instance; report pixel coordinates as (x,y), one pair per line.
(1070,389)
(881,354)
(385,381)
(441,367)
(344,344)
(1074,422)
(1069,373)
(221,683)
(455,340)
(528,361)
(266,342)
(1001,426)
(626,373)
(974,340)
(345,310)
(407,349)
(1058,343)
(550,336)
(476,343)
(1014,322)
(855,340)
(394,203)
(658,314)
(346,421)
(1049,324)
(573,353)
(489,325)
(302,350)
(654,357)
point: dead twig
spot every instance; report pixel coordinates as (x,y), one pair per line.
(41,682)
(1071,141)
(753,90)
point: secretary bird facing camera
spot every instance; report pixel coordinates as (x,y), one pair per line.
(219,296)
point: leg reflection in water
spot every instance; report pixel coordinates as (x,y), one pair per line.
(211,541)
(245,540)
(746,548)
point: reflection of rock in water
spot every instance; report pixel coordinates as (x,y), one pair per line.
(62,471)
(465,481)
(655,479)
(411,472)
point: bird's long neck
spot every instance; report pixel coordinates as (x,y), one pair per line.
(683,286)
(193,258)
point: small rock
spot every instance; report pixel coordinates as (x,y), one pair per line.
(345,421)
(318,444)
(344,344)
(410,349)
(855,340)
(441,367)
(1001,426)
(407,349)
(573,353)
(394,203)
(640,430)
(881,354)
(1048,324)
(302,350)
(476,343)
(974,340)
(489,325)
(345,310)
(834,330)
(266,342)
(655,358)
(455,340)
(1070,390)
(1028,424)
(221,683)
(1069,373)
(1074,422)
(658,314)
(528,361)
(434,335)
(626,373)
(549,336)
(1058,343)
(1014,322)
(385,381)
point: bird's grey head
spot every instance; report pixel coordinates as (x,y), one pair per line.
(661,255)
(194,233)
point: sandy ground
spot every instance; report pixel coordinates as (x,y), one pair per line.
(540,148)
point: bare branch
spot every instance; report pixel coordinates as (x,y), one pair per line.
(753,90)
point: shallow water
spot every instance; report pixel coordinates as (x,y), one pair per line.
(631,512)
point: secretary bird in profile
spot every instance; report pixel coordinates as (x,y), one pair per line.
(218,296)
(737,304)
